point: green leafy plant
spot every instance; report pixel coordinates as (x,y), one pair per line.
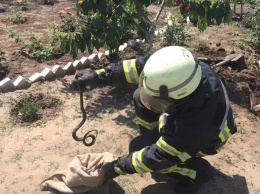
(21,5)
(175,32)
(252,22)
(68,20)
(37,49)
(34,46)
(17,10)
(107,23)
(16,18)
(207,12)
(29,110)
(48,2)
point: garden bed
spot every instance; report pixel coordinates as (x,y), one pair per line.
(33,151)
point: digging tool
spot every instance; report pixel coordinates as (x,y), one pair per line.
(239,59)
(88,135)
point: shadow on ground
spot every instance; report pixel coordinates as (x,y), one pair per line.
(221,184)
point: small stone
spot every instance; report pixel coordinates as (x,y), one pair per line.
(121,48)
(107,53)
(256,108)
(131,43)
(20,83)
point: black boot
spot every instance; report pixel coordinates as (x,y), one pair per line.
(205,173)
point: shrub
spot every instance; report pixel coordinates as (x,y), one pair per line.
(252,22)
(34,46)
(175,32)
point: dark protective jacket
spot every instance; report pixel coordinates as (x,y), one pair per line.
(202,124)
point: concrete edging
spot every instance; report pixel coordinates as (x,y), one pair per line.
(7,85)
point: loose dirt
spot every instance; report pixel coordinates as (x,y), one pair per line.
(32,152)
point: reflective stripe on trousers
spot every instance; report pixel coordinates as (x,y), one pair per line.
(147,125)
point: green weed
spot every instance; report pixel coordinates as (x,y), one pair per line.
(242,131)
(242,45)
(1,151)
(234,33)
(28,111)
(18,155)
(48,2)
(16,12)
(2,60)
(119,150)
(252,22)
(35,46)
(53,166)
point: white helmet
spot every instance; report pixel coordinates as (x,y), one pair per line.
(171,73)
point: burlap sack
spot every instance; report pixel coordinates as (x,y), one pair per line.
(83,174)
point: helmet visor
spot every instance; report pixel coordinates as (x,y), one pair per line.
(154,103)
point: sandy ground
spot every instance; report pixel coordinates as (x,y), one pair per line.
(31,153)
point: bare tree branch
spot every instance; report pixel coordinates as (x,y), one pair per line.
(140,10)
(137,25)
(152,29)
(149,35)
(160,11)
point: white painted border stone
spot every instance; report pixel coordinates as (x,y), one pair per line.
(78,65)
(36,77)
(93,58)
(58,71)
(101,56)
(69,69)
(48,74)
(7,85)
(85,62)
(21,83)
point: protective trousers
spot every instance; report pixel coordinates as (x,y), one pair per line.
(150,136)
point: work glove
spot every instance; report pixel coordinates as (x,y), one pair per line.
(115,168)
(83,79)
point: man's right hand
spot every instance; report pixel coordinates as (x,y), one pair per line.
(86,78)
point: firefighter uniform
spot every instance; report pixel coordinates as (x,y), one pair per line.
(174,144)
